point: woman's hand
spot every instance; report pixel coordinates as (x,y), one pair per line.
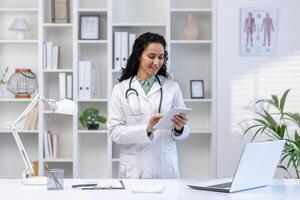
(179,121)
(152,121)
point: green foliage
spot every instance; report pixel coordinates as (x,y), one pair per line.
(91,115)
(276,125)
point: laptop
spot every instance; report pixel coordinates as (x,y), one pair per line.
(256,168)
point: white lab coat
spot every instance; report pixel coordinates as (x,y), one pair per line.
(141,156)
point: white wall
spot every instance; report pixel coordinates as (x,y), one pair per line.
(241,79)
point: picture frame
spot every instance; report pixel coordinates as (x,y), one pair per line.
(60,10)
(197,89)
(89,27)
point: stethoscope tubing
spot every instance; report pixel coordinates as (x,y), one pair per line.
(137,94)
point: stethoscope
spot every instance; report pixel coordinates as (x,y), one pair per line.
(133,91)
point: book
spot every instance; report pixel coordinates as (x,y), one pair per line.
(55,140)
(69,86)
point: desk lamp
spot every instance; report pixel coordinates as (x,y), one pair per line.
(63,106)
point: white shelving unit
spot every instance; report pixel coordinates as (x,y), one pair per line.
(90,154)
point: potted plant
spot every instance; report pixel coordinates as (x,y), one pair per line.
(276,124)
(91,118)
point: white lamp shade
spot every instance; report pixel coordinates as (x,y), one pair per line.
(66,107)
(19,24)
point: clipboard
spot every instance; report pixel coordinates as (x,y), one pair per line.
(102,185)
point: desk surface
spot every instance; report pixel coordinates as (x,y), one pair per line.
(11,189)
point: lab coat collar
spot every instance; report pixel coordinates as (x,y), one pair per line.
(136,85)
(155,87)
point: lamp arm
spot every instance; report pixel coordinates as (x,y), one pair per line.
(27,110)
(23,153)
(28,165)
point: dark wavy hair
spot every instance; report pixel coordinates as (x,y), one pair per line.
(140,44)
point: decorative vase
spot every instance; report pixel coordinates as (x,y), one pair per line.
(189,30)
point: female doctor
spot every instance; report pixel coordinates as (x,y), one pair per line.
(137,104)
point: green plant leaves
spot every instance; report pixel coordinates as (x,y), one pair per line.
(274,126)
(91,115)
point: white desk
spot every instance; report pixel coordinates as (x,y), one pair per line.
(11,189)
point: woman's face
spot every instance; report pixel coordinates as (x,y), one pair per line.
(151,60)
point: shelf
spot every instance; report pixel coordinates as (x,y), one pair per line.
(191,41)
(198,100)
(18,10)
(191,10)
(92,100)
(92,41)
(115,160)
(58,70)
(58,25)
(98,10)
(93,131)
(19,41)
(19,131)
(58,160)
(198,131)
(137,24)
(15,100)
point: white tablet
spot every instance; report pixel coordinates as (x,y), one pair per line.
(166,122)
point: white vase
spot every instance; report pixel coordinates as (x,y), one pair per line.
(189,30)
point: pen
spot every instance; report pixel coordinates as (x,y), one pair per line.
(84,185)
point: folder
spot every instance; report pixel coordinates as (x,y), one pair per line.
(117,51)
(124,47)
(69,83)
(87,80)
(132,37)
(62,85)
(81,79)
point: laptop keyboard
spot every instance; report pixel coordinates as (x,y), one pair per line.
(222,185)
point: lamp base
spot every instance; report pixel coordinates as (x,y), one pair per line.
(35,180)
(20,35)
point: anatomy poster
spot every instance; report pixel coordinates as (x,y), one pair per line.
(258,31)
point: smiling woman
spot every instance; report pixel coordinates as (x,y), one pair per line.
(137,104)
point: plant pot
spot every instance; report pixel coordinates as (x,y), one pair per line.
(93,126)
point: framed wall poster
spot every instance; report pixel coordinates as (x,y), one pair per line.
(89,28)
(197,89)
(60,10)
(258,31)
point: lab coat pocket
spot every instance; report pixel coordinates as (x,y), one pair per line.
(128,164)
(169,166)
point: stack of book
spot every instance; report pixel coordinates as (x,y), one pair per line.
(50,145)
(32,119)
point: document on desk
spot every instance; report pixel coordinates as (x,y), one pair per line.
(111,184)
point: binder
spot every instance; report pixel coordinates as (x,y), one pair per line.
(124,51)
(117,51)
(44,55)
(81,79)
(132,37)
(69,83)
(55,57)
(88,80)
(49,46)
(62,85)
